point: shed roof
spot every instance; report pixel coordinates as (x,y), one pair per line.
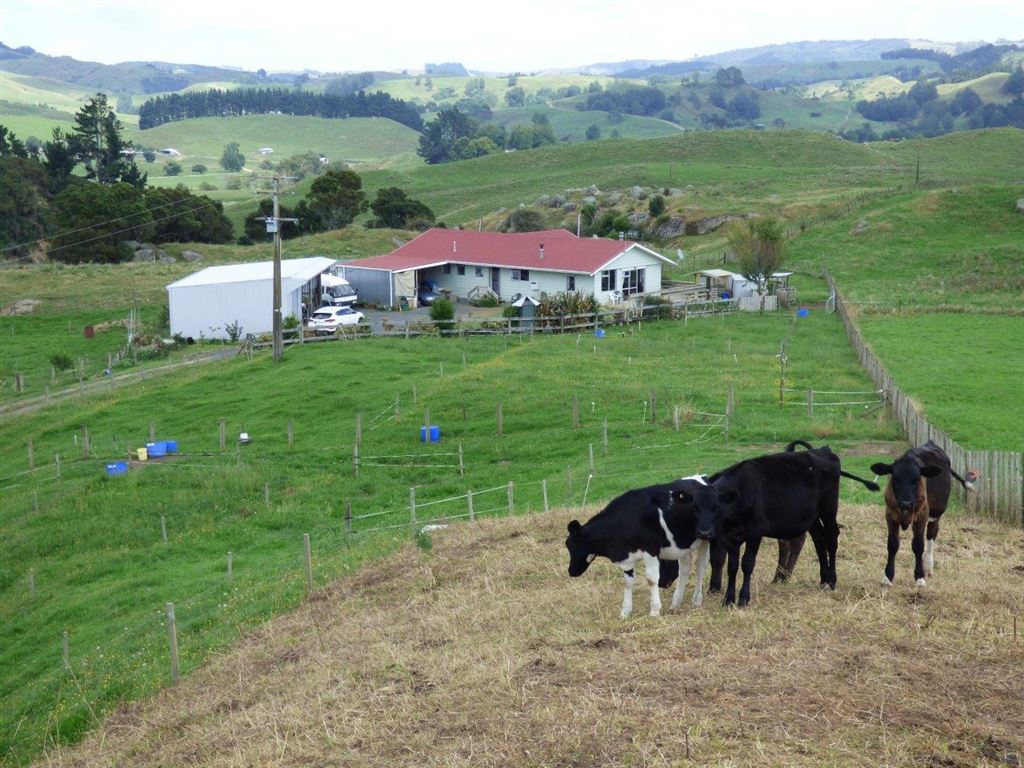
(562,251)
(294,273)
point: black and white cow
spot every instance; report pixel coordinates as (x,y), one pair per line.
(644,524)
(916,495)
(781,496)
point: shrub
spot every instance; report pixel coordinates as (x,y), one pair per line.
(172,168)
(234,330)
(442,312)
(656,206)
(199,168)
(61,361)
(235,182)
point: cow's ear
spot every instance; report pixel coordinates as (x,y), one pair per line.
(930,470)
(574,526)
(881,468)
(729,496)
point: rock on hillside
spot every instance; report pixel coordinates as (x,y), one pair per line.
(484,652)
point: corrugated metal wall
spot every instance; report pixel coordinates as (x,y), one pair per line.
(372,285)
(205,310)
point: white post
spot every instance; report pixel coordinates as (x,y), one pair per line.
(172,636)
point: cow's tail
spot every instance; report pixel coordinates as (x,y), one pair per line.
(869,484)
(968,483)
(792,446)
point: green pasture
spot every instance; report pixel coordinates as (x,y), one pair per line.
(570,124)
(965,370)
(353,140)
(406,88)
(93,543)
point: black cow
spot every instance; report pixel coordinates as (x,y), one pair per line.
(916,495)
(644,524)
(781,496)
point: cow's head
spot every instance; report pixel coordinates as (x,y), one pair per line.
(706,503)
(905,480)
(580,556)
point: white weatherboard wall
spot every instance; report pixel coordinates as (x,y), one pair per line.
(631,259)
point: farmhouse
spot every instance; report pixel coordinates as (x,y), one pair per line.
(206,302)
(266,150)
(466,265)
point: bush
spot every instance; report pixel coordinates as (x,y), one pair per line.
(172,169)
(442,312)
(199,168)
(235,182)
(207,187)
(61,361)
(656,206)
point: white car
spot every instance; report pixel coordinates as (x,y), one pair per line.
(329,319)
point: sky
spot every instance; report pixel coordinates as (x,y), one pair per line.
(525,35)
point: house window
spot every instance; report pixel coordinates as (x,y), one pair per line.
(633,281)
(521,274)
(461,269)
(570,282)
(608,280)
(447,269)
(479,271)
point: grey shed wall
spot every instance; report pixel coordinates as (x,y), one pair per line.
(372,285)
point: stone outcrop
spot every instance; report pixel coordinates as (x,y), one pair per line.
(674,227)
(709,224)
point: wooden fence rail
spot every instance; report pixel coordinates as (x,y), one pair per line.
(1000,486)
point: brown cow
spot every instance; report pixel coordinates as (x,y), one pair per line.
(915,497)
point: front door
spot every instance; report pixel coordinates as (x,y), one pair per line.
(496,280)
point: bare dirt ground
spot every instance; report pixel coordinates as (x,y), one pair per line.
(483,652)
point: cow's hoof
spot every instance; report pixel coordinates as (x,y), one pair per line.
(698,602)
(714,591)
(921,583)
(655,614)
(886,582)
(623,615)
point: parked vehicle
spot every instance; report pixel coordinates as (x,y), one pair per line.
(427,295)
(329,319)
(337,291)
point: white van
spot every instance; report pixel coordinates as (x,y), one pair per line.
(337,291)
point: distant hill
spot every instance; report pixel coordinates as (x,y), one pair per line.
(672,68)
(125,77)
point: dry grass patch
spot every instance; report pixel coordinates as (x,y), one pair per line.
(482,652)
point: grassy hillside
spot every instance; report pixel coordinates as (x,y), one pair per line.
(355,140)
(407,89)
(93,545)
(571,124)
(482,651)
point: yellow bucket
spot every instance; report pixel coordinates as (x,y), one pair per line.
(143,454)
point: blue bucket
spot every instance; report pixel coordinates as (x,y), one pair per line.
(172,446)
(117,468)
(803,312)
(599,333)
(157,449)
(435,434)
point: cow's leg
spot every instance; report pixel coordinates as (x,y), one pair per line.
(789,552)
(929,547)
(733,568)
(684,575)
(717,557)
(817,532)
(831,533)
(917,543)
(749,560)
(651,567)
(701,550)
(894,547)
(627,595)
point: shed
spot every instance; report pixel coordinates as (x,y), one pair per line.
(206,302)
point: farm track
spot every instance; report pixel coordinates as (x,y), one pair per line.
(483,652)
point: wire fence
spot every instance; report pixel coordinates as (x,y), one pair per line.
(1000,486)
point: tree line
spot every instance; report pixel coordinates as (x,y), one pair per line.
(261,101)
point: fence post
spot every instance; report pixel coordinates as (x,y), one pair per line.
(730,402)
(31,456)
(35,501)
(462,466)
(152,432)
(56,460)
(65,644)
(348,517)
(810,403)
(172,636)
(359,428)
(544,490)
(266,494)
(291,433)
(604,437)
(469,503)
(85,442)
(223,433)
(163,528)
(511,506)
(654,407)
(398,408)
(568,482)
(412,511)
(231,566)
(675,417)
(308,556)
(575,411)
(426,426)
(355,460)
(500,426)
(591,451)
(19,383)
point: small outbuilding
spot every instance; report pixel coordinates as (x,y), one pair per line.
(205,303)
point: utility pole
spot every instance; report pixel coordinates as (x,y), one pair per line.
(274,226)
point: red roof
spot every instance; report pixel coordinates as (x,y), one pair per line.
(563,251)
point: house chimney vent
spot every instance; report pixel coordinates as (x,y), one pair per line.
(454,248)
(541,251)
